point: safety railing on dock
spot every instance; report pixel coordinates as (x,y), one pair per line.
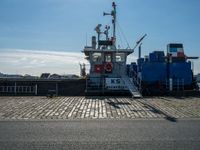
(175,85)
(19,89)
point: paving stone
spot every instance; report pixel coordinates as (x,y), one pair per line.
(97,107)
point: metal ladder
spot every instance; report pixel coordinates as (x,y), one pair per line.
(131,86)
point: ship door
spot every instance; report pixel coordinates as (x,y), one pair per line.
(108,65)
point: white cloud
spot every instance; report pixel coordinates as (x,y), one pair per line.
(37,61)
(196,65)
(131,58)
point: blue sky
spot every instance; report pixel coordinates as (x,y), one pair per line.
(62,25)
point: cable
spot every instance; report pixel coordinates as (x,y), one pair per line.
(123,35)
(120,39)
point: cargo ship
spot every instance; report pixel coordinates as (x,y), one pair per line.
(161,74)
(155,74)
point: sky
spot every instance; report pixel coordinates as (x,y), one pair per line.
(49,35)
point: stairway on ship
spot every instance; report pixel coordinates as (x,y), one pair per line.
(131,86)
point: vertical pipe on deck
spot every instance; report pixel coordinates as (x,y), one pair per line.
(86,84)
(15,89)
(170,84)
(139,51)
(36,92)
(56,89)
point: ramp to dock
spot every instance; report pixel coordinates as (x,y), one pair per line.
(131,86)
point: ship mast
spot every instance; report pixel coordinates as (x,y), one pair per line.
(113,14)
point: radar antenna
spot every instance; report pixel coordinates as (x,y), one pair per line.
(113,14)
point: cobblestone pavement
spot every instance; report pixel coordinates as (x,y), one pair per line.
(178,107)
(97,107)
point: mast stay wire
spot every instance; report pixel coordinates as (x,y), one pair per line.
(120,39)
(121,33)
(128,46)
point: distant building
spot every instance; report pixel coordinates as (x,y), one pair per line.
(10,75)
(1,74)
(45,75)
(69,76)
(55,76)
(27,76)
(73,76)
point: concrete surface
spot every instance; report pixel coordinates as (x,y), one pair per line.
(123,134)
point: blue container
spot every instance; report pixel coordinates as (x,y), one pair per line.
(181,71)
(157,56)
(153,72)
(156,69)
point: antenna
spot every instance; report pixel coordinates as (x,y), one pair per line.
(113,14)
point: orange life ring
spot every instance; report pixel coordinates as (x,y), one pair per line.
(108,67)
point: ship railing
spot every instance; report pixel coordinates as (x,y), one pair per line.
(136,80)
(175,85)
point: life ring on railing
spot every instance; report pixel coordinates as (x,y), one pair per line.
(108,67)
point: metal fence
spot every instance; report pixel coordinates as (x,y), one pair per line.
(175,85)
(19,89)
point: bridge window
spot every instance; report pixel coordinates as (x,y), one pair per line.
(96,57)
(120,57)
(108,57)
